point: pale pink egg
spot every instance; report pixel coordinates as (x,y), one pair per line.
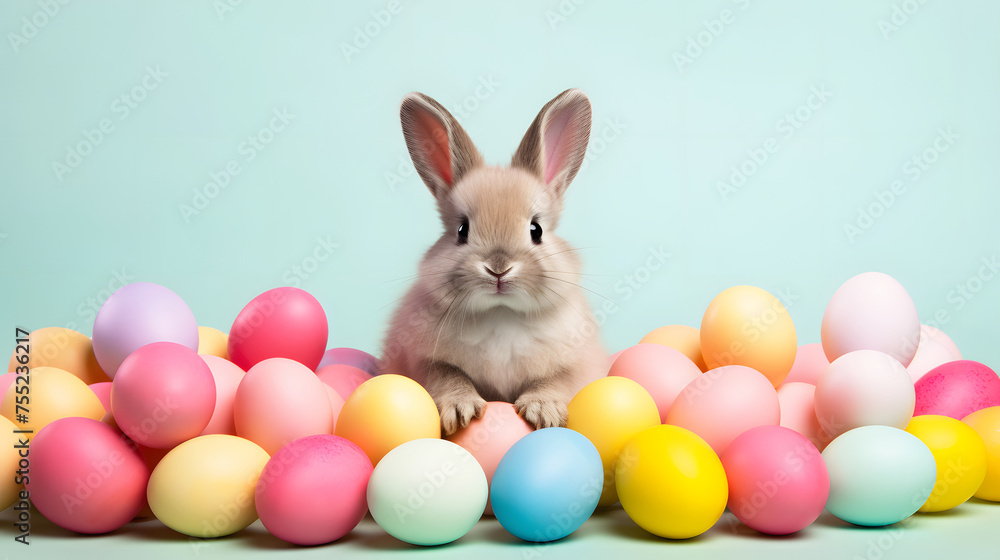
(864,388)
(871,311)
(227,377)
(336,403)
(103,392)
(723,403)
(935,348)
(810,363)
(797,401)
(613,357)
(661,370)
(280,400)
(488,438)
(957,389)
(343,378)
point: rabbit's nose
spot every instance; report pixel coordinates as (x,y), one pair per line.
(498,275)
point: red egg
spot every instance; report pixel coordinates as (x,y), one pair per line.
(957,389)
(313,490)
(85,476)
(163,394)
(343,378)
(280,323)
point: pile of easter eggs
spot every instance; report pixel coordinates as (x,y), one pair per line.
(207,432)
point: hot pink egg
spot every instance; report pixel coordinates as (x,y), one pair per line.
(85,476)
(227,376)
(488,438)
(810,363)
(723,403)
(103,392)
(163,394)
(313,490)
(343,378)
(957,389)
(778,482)
(798,412)
(281,400)
(279,323)
(661,370)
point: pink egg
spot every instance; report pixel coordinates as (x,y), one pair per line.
(798,412)
(778,482)
(103,392)
(350,357)
(864,388)
(313,490)
(725,402)
(871,311)
(85,476)
(280,323)
(488,438)
(227,376)
(342,378)
(935,349)
(957,389)
(163,394)
(336,404)
(281,400)
(810,363)
(6,380)
(661,370)
(613,357)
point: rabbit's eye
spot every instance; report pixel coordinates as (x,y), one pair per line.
(463,232)
(536,233)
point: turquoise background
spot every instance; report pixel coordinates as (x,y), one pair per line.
(896,71)
(339,169)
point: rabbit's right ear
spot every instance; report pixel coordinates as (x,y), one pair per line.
(441,150)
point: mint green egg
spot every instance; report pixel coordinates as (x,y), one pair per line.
(879,475)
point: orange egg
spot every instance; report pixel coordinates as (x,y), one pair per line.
(747,326)
(213,342)
(52,394)
(680,337)
(64,349)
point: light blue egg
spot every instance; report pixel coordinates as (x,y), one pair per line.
(547,485)
(879,475)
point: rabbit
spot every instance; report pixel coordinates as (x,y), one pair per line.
(497,312)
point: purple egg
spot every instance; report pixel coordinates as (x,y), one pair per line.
(351,357)
(138,314)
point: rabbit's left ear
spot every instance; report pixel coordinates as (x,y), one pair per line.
(556,142)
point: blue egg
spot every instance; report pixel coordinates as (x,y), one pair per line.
(878,475)
(547,485)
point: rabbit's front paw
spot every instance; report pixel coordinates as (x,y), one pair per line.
(541,412)
(457,412)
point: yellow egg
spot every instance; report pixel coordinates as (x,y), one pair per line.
(385,412)
(960,456)
(747,326)
(609,412)
(205,486)
(986,423)
(671,482)
(213,342)
(64,349)
(10,458)
(51,394)
(679,337)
